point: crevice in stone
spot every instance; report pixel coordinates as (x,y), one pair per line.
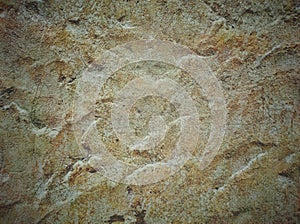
(115,218)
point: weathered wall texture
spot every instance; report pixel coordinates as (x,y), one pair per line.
(253,48)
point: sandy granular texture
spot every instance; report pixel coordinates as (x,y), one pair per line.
(251,46)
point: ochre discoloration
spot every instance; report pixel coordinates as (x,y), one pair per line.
(251,46)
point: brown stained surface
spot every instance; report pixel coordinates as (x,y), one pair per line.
(251,46)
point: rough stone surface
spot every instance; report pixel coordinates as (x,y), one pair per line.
(253,48)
